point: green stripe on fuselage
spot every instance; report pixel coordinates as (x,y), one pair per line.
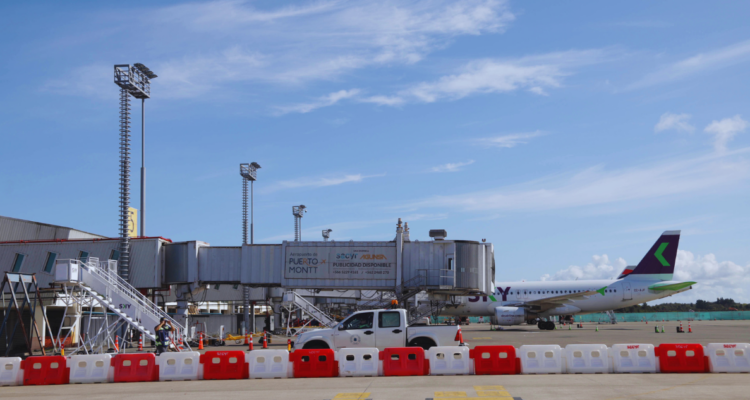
(673,286)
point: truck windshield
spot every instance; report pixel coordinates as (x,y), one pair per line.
(359,321)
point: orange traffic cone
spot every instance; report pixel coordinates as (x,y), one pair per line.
(200,342)
(117,344)
(690,330)
(265,340)
(250,344)
(246,339)
(289,344)
(140,343)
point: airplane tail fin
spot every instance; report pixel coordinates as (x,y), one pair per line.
(658,263)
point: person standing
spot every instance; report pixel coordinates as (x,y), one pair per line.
(162,335)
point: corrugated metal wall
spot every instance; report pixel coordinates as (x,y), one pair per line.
(146,258)
(219,264)
(427,258)
(262,264)
(469,264)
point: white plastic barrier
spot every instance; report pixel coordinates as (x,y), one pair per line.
(635,358)
(586,359)
(11,373)
(541,359)
(268,364)
(449,360)
(182,366)
(359,362)
(93,368)
(728,357)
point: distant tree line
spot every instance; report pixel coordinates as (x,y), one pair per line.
(720,304)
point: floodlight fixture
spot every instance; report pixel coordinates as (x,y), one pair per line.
(327,234)
(250,171)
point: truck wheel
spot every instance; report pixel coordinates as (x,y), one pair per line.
(316,345)
(422,342)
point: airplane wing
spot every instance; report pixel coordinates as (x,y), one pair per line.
(546,303)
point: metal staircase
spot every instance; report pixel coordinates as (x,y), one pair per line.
(89,283)
(293,302)
(612,317)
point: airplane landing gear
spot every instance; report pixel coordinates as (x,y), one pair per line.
(546,325)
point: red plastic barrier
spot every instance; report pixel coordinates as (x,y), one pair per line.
(45,370)
(314,363)
(220,365)
(139,367)
(681,358)
(495,360)
(404,361)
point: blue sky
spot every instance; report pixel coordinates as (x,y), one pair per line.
(569,135)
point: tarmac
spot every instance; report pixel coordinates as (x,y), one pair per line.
(527,387)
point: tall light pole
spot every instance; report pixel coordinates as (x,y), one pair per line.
(298,212)
(150,75)
(248,172)
(133,81)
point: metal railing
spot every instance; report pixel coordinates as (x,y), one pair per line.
(438,277)
(115,283)
(310,309)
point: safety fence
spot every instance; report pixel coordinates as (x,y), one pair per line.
(399,361)
(667,316)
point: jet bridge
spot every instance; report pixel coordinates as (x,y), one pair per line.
(440,267)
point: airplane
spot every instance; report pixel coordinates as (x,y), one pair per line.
(514,303)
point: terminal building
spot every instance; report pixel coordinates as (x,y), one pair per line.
(202,286)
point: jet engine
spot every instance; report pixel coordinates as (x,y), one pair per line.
(510,315)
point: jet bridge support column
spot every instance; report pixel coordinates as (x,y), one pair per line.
(399,253)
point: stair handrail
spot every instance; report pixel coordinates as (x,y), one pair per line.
(123,287)
(311,309)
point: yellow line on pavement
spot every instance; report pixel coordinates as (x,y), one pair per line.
(352,396)
(493,393)
(450,394)
(496,387)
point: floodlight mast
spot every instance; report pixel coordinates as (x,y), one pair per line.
(248,172)
(327,234)
(298,212)
(133,81)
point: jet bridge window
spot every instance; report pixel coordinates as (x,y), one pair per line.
(359,321)
(391,319)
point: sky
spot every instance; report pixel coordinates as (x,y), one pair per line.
(569,135)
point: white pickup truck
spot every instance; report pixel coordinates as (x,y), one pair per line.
(378,328)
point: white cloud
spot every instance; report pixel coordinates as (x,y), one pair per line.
(715,278)
(324,101)
(600,267)
(599,186)
(452,167)
(678,122)
(507,141)
(533,73)
(286,45)
(317,182)
(725,130)
(384,100)
(713,60)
